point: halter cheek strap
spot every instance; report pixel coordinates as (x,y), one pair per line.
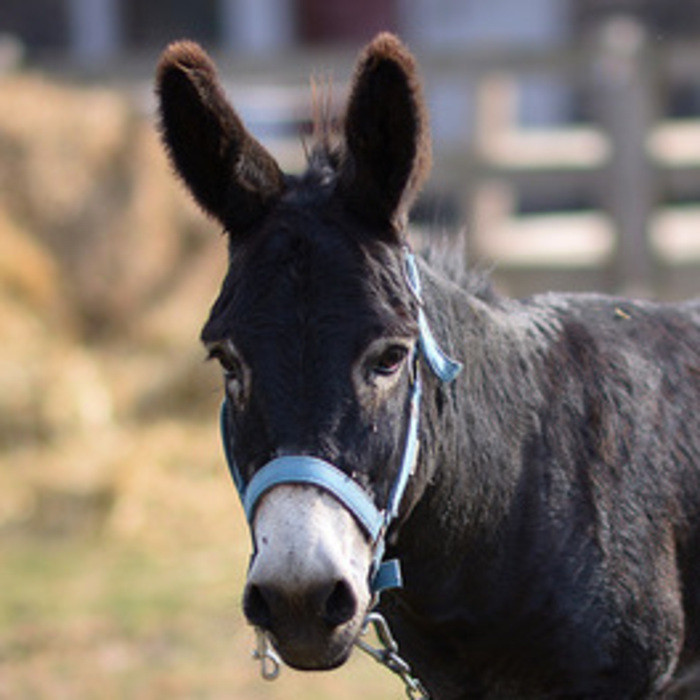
(444,367)
(305,469)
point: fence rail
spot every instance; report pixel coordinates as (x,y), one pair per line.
(631,166)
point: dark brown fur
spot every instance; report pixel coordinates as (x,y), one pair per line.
(550,537)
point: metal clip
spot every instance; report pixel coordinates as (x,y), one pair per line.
(270,662)
(388,655)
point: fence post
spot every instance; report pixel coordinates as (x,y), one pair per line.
(623,81)
(490,201)
(95,28)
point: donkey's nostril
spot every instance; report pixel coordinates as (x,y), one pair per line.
(340,605)
(265,606)
(256,606)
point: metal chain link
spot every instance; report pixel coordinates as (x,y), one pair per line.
(388,655)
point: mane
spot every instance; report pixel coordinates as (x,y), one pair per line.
(324,153)
(446,255)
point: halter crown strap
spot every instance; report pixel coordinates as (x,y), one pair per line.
(304,469)
(444,367)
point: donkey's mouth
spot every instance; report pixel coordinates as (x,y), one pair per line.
(314,649)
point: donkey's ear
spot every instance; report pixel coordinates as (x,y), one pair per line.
(232,177)
(386,130)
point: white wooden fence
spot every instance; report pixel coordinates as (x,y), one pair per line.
(632,162)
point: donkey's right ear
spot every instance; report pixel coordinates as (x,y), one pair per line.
(232,177)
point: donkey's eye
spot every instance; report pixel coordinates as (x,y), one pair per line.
(229,363)
(390,360)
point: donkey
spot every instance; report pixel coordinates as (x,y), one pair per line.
(543,504)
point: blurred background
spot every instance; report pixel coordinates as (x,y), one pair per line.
(567,156)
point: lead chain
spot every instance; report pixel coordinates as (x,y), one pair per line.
(388,655)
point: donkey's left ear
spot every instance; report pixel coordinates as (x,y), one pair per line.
(388,154)
(230,174)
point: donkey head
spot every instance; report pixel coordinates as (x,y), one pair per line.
(314,326)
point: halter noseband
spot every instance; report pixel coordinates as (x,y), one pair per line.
(304,469)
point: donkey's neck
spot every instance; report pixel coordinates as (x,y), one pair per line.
(474,435)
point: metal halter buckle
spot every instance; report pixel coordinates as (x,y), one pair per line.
(270,662)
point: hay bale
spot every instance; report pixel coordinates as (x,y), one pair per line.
(86,176)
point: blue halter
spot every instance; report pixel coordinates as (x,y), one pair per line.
(303,469)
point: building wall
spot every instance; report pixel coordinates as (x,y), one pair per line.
(325,21)
(464,24)
(86,27)
(156,22)
(666,19)
(39,23)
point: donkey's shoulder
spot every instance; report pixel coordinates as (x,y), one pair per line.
(603,310)
(616,326)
